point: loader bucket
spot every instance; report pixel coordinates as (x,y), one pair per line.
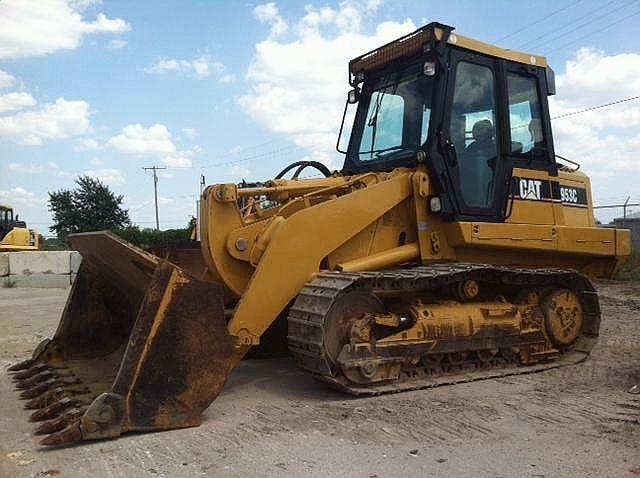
(141,345)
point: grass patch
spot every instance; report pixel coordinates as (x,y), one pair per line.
(8,283)
(631,270)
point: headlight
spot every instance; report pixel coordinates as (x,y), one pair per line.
(429,68)
(434,204)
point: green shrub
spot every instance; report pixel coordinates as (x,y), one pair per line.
(8,283)
(53,244)
(631,270)
(146,238)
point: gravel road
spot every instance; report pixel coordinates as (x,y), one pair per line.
(273,420)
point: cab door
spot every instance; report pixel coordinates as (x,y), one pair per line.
(534,185)
(474,125)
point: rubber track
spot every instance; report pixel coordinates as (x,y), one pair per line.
(308,314)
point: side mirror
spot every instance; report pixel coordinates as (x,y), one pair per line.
(551,81)
(353,96)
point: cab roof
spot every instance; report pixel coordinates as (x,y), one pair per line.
(415,42)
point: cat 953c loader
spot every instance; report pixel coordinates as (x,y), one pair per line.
(453,245)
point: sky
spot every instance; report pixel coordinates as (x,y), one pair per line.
(233,90)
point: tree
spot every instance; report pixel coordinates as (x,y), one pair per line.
(150,238)
(89,207)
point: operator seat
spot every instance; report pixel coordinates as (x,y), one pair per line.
(478,164)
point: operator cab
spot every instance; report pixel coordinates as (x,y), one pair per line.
(6,220)
(470,111)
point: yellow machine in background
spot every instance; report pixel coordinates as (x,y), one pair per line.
(14,234)
(451,243)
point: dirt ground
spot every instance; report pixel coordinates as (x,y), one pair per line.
(273,420)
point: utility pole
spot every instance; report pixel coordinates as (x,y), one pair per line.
(155,189)
(202,184)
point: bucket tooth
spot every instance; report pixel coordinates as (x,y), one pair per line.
(55,394)
(35,379)
(53,410)
(39,389)
(21,365)
(45,399)
(60,422)
(31,371)
(65,436)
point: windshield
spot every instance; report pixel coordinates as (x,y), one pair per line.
(392,119)
(6,214)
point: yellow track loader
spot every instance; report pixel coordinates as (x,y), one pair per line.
(14,234)
(453,245)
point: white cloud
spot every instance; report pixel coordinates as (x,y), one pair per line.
(107,175)
(18,196)
(202,67)
(25,168)
(303,99)
(137,140)
(606,141)
(65,174)
(6,80)
(82,4)
(62,119)
(238,171)
(16,101)
(55,169)
(155,141)
(228,78)
(268,13)
(347,18)
(190,133)
(46,26)
(181,158)
(591,73)
(116,44)
(88,144)
(178,161)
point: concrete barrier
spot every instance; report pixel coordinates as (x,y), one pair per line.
(4,264)
(48,269)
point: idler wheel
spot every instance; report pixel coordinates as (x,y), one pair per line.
(563,317)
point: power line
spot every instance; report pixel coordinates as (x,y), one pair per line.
(244,159)
(133,209)
(594,32)
(591,108)
(546,35)
(589,22)
(616,206)
(235,161)
(529,25)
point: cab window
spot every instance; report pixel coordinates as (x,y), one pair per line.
(472,130)
(383,128)
(524,115)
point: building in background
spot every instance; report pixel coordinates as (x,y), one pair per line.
(632,222)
